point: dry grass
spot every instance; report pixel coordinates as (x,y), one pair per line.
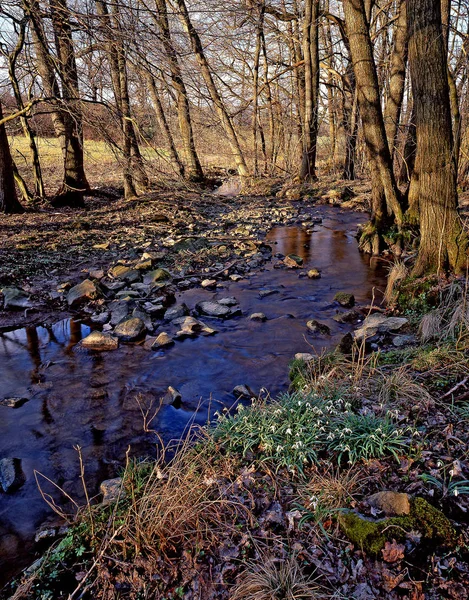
(335,488)
(400,390)
(450,320)
(397,273)
(270,579)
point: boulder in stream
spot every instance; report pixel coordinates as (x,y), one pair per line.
(11,475)
(345,299)
(317,327)
(213,309)
(191,327)
(99,341)
(163,340)
(14,401)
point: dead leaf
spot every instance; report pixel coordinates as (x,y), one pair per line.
(392,551)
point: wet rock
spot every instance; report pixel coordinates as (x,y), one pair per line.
(390,503)
(15,299)
(350,316)
(191,327)
(153,309)
(236,277)
(141,314)
(304,356)
(317,327)
(112,490)
(143,265)
(209,283)
(172,397)
(163,340)
(13,402)
(258,317)
(243,391)
(378,323)
(213,309)
(176,312)
(265,293)
(344,299)
(228,301)
(119,311)
(345,346)
(119,271)
(101,318)
(157,275)
(127,294)
(99,341)
(292,261)
(86,290)
(130,330)
(113,286)
(11,475)
(314,274)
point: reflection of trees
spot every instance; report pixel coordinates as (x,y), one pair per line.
(75,335)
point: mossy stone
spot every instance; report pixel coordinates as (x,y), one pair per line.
(366,535)
(344,299)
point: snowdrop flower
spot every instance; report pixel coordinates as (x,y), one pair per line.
(451,473)
(456,492)
(288,432)
(439,463)
(272,428)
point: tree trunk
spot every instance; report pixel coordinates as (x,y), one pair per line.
(220,107)
(194,170)
(311,60)
(8,199)
(443,244)
(392,111)
(369,102)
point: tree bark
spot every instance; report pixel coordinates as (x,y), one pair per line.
(443,244)
(8,200)
(311,68)
(371,114)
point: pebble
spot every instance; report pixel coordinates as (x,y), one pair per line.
(99,341)
(258,317)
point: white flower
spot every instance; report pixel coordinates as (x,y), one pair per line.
(439,463)
(272,428)
(455,493)
(288,432)
(451,473)
(279,448)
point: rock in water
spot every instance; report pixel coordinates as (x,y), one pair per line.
(292,261)
(314,274)
(130,329)
(349,316)
(172,397)
(243,391)
(162,341)
(111,489)
(258,317)
(86,290)
(191,327)
(344,299)
(209,283)
(176,312)
(13,298)
(11,474)
(317,327)
(304,356)
(378,323)
(390,503)
(228,301)
(14,402)
(97,340)
(213,309)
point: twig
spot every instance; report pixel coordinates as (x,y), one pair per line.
(456,387)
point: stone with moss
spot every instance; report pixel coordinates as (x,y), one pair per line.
(345,299)
(370,536)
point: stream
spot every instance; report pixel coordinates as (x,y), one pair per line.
(79,398)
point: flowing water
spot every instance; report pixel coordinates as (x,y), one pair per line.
(88,399)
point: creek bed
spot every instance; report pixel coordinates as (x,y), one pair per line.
(80,398)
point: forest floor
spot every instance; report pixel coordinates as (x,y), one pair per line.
(278,499)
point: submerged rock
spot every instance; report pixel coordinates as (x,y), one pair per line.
(265,293)
(15,299)
(99,341)
(13,402)
(292,261)
(163,340)
(258,317)
(130,329)
(350,316)
(86,290)
(317,327)
(11,475)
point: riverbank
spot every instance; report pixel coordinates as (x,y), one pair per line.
(352,485)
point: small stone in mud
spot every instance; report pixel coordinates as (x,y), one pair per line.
(258,317)
(243,391)
(172,397)
(350,316)
(176,312)
(130,329)
(157,275)
(13,298)
(86,290)
(213,309)
(317,327)
(344,299)
(11,474)
(209,283)
(97,340)
(265,293)
(304,356)
(228,301)
(163,340)
(112,489)
(314,274)
(14,402)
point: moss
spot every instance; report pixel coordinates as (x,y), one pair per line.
(434,527)
(345,299)
(298,374)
